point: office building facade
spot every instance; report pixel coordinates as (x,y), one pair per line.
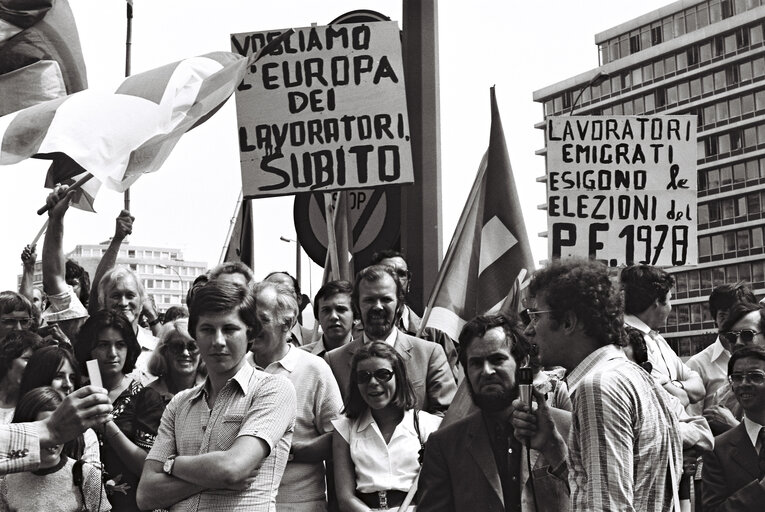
(705,58)
(162,270)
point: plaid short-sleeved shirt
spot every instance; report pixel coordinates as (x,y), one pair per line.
(252,403)
(623,439)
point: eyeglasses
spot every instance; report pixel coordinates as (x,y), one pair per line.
(529,315)
(755,377)
(178,348)
(746,335)
(380,375)
(12,322)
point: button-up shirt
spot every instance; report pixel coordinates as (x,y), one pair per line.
(667,365)
(712,364)
(624,444)
(389,340)
(382,466)
(252,403)
(19,447)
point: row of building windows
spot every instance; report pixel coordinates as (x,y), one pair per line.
(722,145)
(732,109)
(166,284)
(729,177)
(672,26)
(698,87)
(740,40)
(687,346)
(166,299)
(128,253)
(727,210)
(169,270)
(701,282)
(739,243)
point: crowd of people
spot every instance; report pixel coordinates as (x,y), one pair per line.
(232,404)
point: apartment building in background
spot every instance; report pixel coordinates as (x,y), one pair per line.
(705,58)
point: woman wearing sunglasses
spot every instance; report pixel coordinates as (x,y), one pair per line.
(376,445)
(176,360)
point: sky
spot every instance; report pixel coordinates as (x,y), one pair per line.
(517,46)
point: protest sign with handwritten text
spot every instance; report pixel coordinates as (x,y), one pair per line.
(325,111)
(622,189)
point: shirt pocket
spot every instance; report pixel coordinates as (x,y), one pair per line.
(228,430)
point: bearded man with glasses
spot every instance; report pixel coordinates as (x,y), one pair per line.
(734,473)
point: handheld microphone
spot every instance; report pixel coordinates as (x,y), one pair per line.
(525,379)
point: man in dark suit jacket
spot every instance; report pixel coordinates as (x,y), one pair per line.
(478,462)
(733,475)
(378,297)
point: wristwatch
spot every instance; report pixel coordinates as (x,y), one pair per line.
(168,466)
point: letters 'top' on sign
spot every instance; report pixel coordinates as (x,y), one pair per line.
(622,189)
(325,111)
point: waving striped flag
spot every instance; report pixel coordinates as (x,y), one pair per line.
(119,136)
(490,247)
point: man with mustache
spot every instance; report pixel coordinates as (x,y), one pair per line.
(478,463)
(379,298)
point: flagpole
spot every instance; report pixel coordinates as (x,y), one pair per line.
(128,59)
(472,197)
(227,241)
(77,184)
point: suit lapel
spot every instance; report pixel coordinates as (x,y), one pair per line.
(353,346)
(743,453)
(480,449)
(403,345)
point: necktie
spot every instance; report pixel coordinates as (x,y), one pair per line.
(761,442)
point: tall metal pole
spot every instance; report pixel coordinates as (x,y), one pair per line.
(298,272)
(421,229)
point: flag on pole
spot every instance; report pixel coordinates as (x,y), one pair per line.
(489,247)
(119,136)
(40,54)
(241,240)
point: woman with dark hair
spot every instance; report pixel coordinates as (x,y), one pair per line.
(109,338)
(15,352)
(375,446)
(176,361)
(55,366)
(55,486)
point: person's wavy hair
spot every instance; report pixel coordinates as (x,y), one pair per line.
(87,338)
(584,288)
(115,275)
(404,397)
(216,297)
(232,267)
(11,301)
(74,271)
(330,289)
(519,345)
(739,311)
(723,297)
(373,274)
(157,364)
(642,285)
(14,346)
(43,366)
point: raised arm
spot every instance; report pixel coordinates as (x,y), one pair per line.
(53,259)
(28,258)
(123,228)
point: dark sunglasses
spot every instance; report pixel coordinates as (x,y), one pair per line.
(746,335)
(380,375)
(178,348)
